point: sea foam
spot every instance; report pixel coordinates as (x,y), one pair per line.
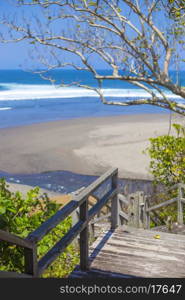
(5,108)
(32,92)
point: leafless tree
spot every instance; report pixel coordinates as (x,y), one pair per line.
(136,40)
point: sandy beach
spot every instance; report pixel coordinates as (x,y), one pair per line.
(23,188)
(87,145)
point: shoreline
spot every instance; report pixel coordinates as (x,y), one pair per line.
(166,113)
(82,145)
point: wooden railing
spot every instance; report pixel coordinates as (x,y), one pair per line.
(180,199)
(137,211)
(35,268)
(123,216)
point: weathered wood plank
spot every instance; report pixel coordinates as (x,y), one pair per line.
(13,239)
(134,266)
(120,247)
(149,233)
(123,199)
(131,238)
(161,204)
(124,215)
(52,222)
(135,252)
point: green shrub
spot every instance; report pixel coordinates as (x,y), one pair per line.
(167,165)
(167,154)
(21,215)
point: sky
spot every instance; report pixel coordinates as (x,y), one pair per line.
(13,55)
(16,55)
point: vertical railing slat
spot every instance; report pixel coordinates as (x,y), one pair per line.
(84,247)
(147,213)
(114,204)
(31,264)
(180,206)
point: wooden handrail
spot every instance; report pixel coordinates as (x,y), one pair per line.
(15,240)
(72,234)
(165,203)
(59,247)
(95,185)
(179,199)
(35,268)
(52,222)
(176,186)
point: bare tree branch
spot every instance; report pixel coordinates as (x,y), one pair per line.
(122,34)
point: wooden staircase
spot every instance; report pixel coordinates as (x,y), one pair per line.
(126,249)
(129,252)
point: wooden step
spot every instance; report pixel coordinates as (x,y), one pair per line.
(130,252)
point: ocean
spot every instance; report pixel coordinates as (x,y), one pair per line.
(26,98)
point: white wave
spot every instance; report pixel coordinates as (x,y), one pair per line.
(30,92)
(5,108)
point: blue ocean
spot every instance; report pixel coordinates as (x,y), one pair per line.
(26,98)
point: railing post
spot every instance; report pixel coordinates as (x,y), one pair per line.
(114,204)
(133,210)
(179,206)
(30,257)
(147,214)
(141,209)
(84,236)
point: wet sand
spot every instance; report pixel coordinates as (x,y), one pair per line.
(87,146)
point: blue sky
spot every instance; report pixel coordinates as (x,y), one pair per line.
(16,55)
(13,55)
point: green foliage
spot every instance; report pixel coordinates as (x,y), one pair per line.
(167,214)
(167,165)
(177,12)
(177,8)
(21,215)
(92,3)
(167,154)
